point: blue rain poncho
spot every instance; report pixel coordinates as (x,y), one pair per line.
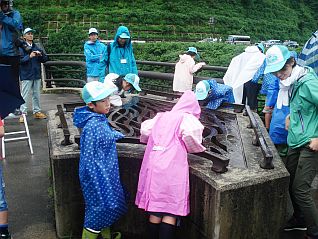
(94,51)
(98,170)
(220,93)
(117,54)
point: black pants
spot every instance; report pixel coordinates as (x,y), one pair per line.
(14,62)
(250,92)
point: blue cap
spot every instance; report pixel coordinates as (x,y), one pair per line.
(276,57)
(133,79)
(202,90)
(95,91)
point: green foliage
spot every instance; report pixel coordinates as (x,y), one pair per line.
(70,39)
(176,20)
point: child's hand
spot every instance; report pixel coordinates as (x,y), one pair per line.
(287,122)
(118,135)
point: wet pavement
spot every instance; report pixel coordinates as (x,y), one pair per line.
(28,191)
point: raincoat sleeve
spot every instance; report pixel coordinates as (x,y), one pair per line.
(118,135)
(90,55)
(24,57)
(133,63)
(14,22)
(195,67)
(272,89)
(145,129)
(191,130)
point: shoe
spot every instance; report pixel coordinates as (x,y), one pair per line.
(39,115)
(295,225)
(5,236)
(21,119)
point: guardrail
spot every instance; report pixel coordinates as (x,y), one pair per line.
(51,83)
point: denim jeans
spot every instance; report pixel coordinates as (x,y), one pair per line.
(3,203)
(31,87)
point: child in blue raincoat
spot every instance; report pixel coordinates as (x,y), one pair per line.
(214,93)
(98,168)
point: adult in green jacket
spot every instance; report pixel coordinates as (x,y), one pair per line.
(302,157)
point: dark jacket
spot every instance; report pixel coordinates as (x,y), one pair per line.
(30,68)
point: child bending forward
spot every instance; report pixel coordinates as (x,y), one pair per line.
(163,187)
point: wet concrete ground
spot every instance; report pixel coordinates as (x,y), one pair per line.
(28,191)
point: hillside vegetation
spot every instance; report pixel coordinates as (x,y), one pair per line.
(175,20)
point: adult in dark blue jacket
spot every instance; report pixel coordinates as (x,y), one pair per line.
(121,58)
(10,29)
(30,74)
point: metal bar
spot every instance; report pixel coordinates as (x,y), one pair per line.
(70,106)
(64,125)
(169,64)
(65,63)
(169,76)
(152,63)
(15,139)
(267,161)
(220,163)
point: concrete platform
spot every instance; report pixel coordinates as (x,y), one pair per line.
(27,180)
(28,188)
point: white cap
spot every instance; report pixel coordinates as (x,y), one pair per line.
(95,91)
(202,90)
(111,77)
(28,29)
(92,30)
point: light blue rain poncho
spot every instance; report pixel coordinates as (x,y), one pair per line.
(98,170)
(94,51)
(219,93)
(122,60)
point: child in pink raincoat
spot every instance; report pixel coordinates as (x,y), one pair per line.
(163,187)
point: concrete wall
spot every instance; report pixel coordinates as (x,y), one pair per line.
(241,203)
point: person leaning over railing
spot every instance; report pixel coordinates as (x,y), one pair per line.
(184,70)
(122,85)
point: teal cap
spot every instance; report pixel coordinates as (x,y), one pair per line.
(276,57)
(194,50)
(133,79)
(95,91)
(202,90)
